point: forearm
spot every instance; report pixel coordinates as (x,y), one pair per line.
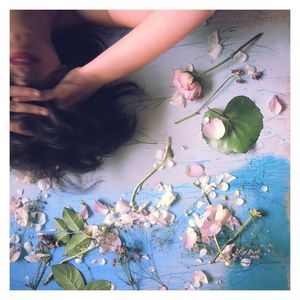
(159,31)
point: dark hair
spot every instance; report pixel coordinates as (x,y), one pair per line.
(77,139)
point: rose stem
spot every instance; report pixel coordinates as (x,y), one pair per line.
(235,236)
(197,112)
(231,55)
(139,185)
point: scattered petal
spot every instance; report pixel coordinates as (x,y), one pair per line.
(100,208)
(223,215)
(246,262)
(223,186)
(21,216)
(239,201)
(101,261)
(250,69)
(241,57)
(171,163)
(122,206)
(167,199)
(275,106)
(214,129)
(178,100)
(236,194)
(212,194)
(14,204)
(160,154)
(151,269)
(215,51)
(84,213)
(14,239)
(211,228)
(199,277)
(44,184)
(228,177)
(189,238)
(264,188)
(203,252)
(78,260)
(28,246)
(194,170)
(145,256)
(14,254)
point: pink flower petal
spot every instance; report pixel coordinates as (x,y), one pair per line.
(214,129)
(122,206)
(84,213)
(223,215)
(100,208)
(211,228)
(14,204)
(194,170)
(200,277)
(275,106)
(14,254)
(189,238)
(205,239)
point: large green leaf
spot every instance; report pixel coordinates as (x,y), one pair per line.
(77,244)
(72,219)
(68,277)
(60,224)
(62,236)
(98,285)
(243,122)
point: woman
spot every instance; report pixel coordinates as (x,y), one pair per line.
(65,118)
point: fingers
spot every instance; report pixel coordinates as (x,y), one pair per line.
(20,91)
(17,127)
(28,108)
(23,94)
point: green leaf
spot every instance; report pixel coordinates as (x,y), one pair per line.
(243,122)
(59,224)
(63,236)
(98,285)
(68,277)
(72,219)
(77,244)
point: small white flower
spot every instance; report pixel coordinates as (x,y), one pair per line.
(264,188)
(246,262)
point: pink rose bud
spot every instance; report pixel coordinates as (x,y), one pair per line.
(185,82)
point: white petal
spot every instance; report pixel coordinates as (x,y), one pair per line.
(212,194)
(223,186)
(101,261)
(78,260)
(178,100)
(214,129)
(239,201)
(194,170)
(14,239)
(44,184)
(236,194)
(219,178)
(228,177)
(203,252)
(200,204)
(246,262)
(199,276)
(204,179)
(241,56)
(25,200)
(171,163)
(20,192)
(28,246)
(192,223)
(151,269)
(160,154)
(264,188)
(189,238)
(275,106)
(250,69)
(215,50)
(213,38)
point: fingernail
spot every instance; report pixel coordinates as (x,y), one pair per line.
(36,93)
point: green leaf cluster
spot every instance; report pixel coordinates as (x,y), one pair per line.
(69,278)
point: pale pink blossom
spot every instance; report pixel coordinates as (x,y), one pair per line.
(122,206)
(160,217)
(189,238)
(21,216)
(108,241)
(186,85)
(275,106)
(194,170)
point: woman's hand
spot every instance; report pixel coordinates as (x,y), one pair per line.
(74,88)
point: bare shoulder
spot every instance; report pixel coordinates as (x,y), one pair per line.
(114,18)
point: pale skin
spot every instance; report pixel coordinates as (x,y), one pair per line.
(153,32)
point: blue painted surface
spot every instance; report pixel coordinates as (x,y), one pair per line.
(173,263)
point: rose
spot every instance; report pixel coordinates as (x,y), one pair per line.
(186,84)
